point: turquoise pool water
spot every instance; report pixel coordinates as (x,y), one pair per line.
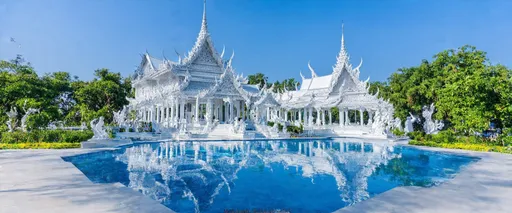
(294,176)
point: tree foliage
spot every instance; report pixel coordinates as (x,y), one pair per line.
(57,95)
(467,90)
(262,81)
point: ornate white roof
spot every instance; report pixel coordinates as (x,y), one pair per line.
(202,72)
(342,88)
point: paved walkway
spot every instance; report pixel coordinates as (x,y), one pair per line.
(484,186)
(40,181)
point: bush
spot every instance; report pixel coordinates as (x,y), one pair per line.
(416,135)
(295,129)
(279,126)
(49,136)
(397,132)
(465,146)
(446,136)
(39,145)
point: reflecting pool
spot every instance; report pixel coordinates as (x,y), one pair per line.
(295,176)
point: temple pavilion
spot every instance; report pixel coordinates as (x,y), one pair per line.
(202,88)
(199,88)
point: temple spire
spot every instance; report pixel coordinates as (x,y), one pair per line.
(204,24)
(343,57)
(342,36)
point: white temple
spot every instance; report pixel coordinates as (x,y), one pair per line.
(201,93)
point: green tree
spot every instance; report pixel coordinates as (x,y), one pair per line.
(257,79)
(102,96)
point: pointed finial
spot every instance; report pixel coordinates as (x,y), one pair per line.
(204,12)
(342,35)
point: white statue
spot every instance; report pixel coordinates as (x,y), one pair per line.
(378,125)
(120,117)
(97,126)
(25,117)
(183,126)
(411,119)
(430,126)
(284,128)
(397,124)
(156,127)
(11,122)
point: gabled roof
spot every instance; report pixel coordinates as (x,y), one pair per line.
(228,83)
(203,39)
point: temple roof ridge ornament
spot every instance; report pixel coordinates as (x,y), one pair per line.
(202,39)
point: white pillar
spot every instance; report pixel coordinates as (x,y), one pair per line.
(196,116)
(209,108)
(310,117)
(231,112)
(318,117)
(347,121)
(300,115)
(182,109)
(361,118)
(286,115)
(330,117)
(342,116)
(323,117)
(244,112)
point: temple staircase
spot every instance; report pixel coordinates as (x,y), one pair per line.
(224,132)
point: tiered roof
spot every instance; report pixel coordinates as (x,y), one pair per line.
(341,88)
(202,71)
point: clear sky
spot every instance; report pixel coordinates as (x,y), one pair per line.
(275,37)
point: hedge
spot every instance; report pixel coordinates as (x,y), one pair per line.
(48,136)
(39,145)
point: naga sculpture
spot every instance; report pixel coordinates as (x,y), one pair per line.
(25,117)
(431,126)
(97,126)
(11,122)
(120,117)
(411,119)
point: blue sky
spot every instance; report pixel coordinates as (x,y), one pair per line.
(275,37)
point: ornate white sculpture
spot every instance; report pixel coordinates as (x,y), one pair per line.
(411,119)
(378,125)
(28,112)
(11,122)
(120,117)
(97,127)
(430,126)
(397,124)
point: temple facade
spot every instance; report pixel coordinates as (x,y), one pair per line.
(359,111)
(202,90)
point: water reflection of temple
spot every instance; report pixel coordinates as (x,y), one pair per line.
(199,170)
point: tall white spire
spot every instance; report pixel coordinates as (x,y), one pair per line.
(343,36)
(202,38)
(204,24)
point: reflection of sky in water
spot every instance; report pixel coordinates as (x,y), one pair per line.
(301,176)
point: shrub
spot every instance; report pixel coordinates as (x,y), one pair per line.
(295,129)
(446,136)
(39,145)
(49,136)
(397,132)
(416,135)
(279,126)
